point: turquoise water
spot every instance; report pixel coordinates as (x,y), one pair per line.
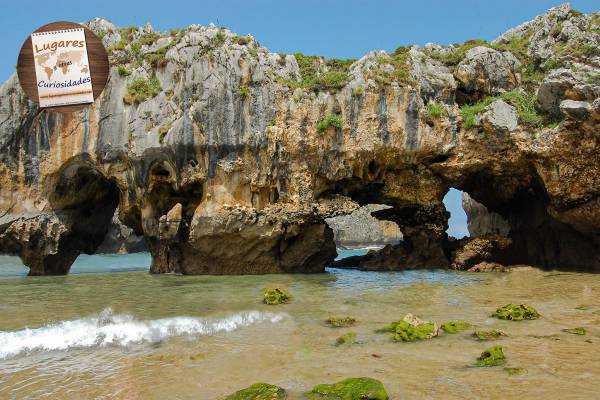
(100,263)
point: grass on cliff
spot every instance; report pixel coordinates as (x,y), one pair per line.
(435,109)
(319,74)
(332,120)
(525,104)
(141,89)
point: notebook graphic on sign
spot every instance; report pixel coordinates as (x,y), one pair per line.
(61,67)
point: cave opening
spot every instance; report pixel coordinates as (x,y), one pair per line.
(84,200)
(360,232)
(457,223)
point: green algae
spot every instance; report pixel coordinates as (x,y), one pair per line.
(349,389)
(515,371)
(259,391)
(516,312)
(276,296)
(491,357)
(410,329)
(455,327)
(488,335)
(346,338)
(575,331)
(340,322)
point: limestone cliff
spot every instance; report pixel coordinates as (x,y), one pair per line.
(229,158)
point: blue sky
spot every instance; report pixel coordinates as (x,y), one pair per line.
(342,29)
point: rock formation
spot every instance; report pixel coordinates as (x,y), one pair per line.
(228,158)
(361,229)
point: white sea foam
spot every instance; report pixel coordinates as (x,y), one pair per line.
(107,328)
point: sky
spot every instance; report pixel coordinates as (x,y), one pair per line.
(340,29)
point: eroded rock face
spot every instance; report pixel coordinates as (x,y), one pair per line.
(486,71)
(228,160)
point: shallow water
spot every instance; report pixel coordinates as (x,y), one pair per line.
(132,335)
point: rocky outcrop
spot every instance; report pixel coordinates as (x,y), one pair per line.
(481,222)
(121,239)
(361,229)
(228,158)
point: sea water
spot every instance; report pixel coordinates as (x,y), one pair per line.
(111,330)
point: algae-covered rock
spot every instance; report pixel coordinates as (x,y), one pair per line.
(339,322)
(346,338)
(516,312)
(515,371)
(491,357)
(575,331)
(411,328)
(259,391)
(455,327)
(488,335)
(276,296)
(349,389)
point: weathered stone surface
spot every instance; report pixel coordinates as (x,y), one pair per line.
(222,168)
(488,267)
(486,71)
(478,250)
(480,221)
(499,117)
(578,110)
(361,229)
(121,239)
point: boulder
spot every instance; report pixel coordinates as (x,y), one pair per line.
(516,312)
(488,267)
(349,389)
(276,296)
(259,391)
(411,328)
(500,118)
(491,357)
(487,72)
(577,110)
(478,250)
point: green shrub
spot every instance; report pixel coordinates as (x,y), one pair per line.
(149,38)
(244,92)
(242,40)
(142,89)
(332,120)
(436,109)
(468,112)
(220,38)
(122,70)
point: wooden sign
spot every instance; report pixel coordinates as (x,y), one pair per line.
(97,58)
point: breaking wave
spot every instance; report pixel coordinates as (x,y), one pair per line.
(107,328)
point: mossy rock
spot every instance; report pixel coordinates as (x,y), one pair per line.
(515,371)
(410,329)
(259,391)
(276,296)
(575,331)
(491,357)
(349,389)
(455,327)
(516,312)
(346,338)
(488,335)
(340,322)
